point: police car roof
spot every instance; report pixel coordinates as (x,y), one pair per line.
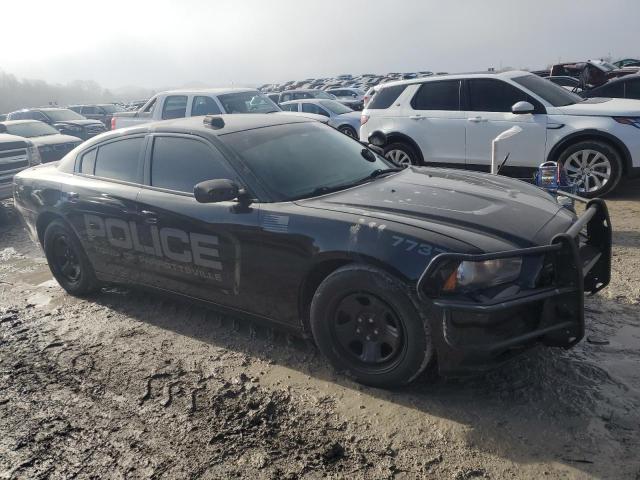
(232,123)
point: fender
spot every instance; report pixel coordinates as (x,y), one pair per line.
(591,134)
(401,137)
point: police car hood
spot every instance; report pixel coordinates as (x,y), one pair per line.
(488,211)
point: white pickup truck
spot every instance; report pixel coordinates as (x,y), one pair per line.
(191,103)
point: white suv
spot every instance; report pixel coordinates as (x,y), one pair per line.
(451,120)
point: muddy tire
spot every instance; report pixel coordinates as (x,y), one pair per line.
(67,260)
(366,325)
(594,165)
(401,154)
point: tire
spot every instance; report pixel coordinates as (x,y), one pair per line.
(366,325)
(348,131)
(401,154)
(594,165)
(67,260)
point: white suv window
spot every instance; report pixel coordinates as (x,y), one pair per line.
(489,95)
(444,95)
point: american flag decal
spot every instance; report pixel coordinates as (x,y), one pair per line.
(275,223)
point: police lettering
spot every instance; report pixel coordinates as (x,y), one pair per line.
(171,243)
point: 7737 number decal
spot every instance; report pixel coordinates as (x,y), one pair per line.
(409,245)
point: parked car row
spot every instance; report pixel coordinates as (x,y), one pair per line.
(360,82)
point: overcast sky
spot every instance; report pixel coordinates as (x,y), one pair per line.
(220,42)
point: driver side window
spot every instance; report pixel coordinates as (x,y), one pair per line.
(179,163)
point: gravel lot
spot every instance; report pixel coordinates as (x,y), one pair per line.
(131,384)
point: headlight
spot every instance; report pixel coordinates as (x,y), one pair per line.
(473,275)
(633,121)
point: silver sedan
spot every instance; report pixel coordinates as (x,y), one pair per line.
(340,117)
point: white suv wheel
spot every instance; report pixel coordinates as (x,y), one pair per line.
(399,157)
(589,169)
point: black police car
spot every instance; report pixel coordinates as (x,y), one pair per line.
(289,221)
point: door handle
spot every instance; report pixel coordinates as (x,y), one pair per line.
(476,119)
(416,117)
(149,216)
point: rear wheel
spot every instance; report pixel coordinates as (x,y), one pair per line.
(367,326)
(594,166)
(401,154)
(67,260)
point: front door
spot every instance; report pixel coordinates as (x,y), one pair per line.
(198,249)
(489,114)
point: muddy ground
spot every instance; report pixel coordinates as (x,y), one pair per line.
(136,385)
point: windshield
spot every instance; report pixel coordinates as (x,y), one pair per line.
(112,108)
(335,107)
(31,129)
(303,159)
(247,102)
(321,94)
(549,91)
(62,115)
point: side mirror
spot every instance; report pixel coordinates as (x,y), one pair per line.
(220,190)
(521,108)
(377,138)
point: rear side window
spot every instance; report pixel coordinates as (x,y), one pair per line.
(313,108)
(88,162)
(180,163)
(385,97)
(120,160)
(89,110)
(204,106)
(437,96)
(175,106)
(290,107)
(489,95)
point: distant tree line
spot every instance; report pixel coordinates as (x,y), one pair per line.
(24,93)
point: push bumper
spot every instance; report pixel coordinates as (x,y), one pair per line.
(472,335)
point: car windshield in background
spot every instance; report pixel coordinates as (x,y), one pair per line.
(31,129)
(321,94)
(335,107)
(63,115)
(549,91)
(247,102)
(304,159)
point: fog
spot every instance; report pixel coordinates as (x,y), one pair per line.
(154,44)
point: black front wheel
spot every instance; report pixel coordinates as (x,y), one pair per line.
(367,326)
(67,260)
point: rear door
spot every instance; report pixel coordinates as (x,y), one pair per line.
(435,121)
(201,250)
(102,204)
(488,112)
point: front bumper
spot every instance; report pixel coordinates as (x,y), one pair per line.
(476,335)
